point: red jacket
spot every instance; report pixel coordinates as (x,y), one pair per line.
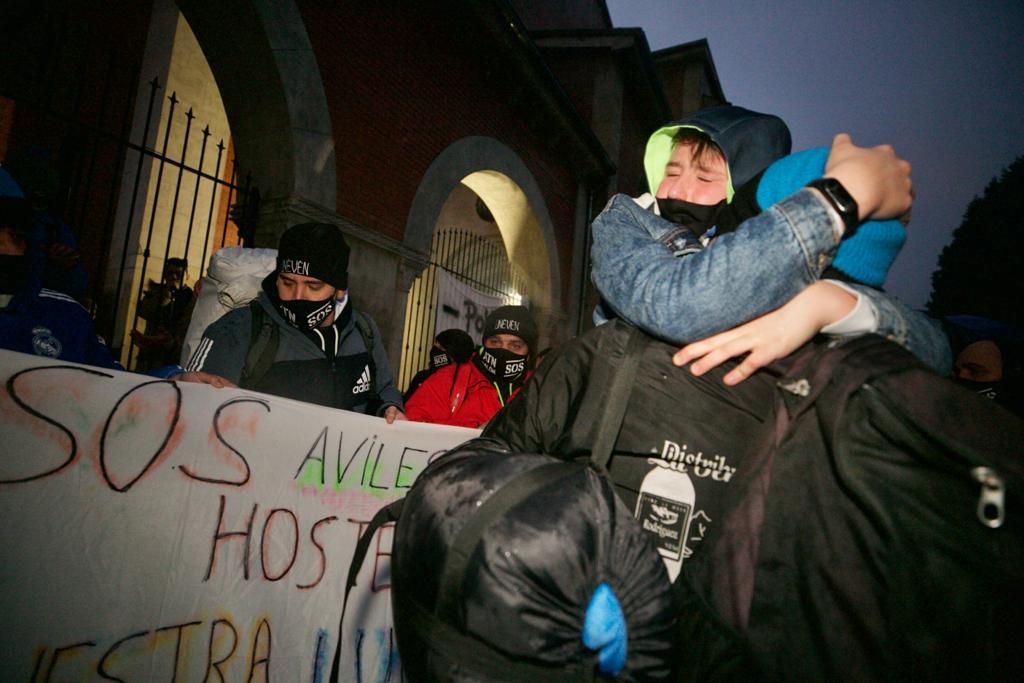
(457,394)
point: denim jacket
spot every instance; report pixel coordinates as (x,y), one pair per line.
(656,275)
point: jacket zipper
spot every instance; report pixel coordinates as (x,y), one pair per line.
(991,509)
(991,502)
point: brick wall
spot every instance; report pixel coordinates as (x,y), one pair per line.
(402,86)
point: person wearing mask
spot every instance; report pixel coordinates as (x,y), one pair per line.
(450,346)
(470,394)
(989,359)
(685,436)
(712,247)
(302,337)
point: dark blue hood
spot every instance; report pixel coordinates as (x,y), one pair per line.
(750,140)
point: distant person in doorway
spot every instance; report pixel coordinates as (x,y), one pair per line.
(450,346)
(470,394)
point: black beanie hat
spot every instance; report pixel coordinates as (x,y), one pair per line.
(457,344)
(315,250)
(515,320)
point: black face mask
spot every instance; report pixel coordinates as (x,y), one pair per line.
(501,365)
(989,390)
(306,315)
(439,359)
(13,273)
(699,218)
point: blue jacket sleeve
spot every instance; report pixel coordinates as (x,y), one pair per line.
(698,293)
(681,293)
(913,330)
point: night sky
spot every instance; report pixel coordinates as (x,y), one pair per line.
(942,81)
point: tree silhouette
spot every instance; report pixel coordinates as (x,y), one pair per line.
(981,271)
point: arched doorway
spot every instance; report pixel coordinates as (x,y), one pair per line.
(480,215)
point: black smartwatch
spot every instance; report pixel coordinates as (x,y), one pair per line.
(840,200)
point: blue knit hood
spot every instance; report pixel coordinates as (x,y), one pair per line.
(867,254)
(750,141)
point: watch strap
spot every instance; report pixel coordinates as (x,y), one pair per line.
(840,200)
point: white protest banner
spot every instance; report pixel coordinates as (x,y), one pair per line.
(162,531)
(463,307)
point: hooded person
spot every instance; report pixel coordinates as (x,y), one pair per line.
(682,205)
(469,394)
(700,254)
(686,438)
(748,142)
(989,359)
(34,319)
(450,346)
(302,337)
(685,435)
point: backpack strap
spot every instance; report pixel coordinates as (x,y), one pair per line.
(854,362)
(468,538)
(443,638)
(616,399)
(386,515)
(264,338)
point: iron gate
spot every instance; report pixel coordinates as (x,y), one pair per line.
(471,259)
(113,193)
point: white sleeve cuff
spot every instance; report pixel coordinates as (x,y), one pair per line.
(861,320)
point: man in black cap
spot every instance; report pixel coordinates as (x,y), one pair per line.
(301,337)
(469,394)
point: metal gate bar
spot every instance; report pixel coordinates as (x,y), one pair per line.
(473,260)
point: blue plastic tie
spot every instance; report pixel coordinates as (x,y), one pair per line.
(604,630)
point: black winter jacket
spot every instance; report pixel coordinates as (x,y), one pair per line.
(673,463)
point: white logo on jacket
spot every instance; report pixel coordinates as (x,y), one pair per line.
(44,343)
(363,385)
(678,458)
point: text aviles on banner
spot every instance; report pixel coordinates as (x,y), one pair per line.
(463,307)
(162,531)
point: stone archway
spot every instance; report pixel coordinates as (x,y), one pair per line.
(274,98)
(484,168)
(496,174)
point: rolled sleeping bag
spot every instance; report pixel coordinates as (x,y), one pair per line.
(232,281)
(512,566)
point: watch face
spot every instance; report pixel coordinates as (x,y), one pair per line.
(839,198)
(844,202)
